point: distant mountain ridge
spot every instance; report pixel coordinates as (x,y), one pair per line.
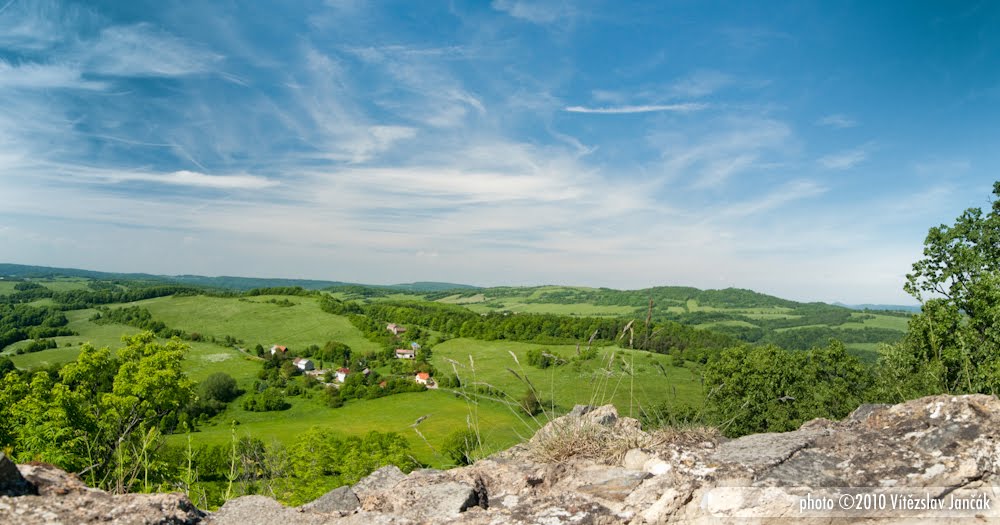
(912,308)
(727,297)
(222,281)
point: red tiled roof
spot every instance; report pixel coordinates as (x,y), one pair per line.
(423,375)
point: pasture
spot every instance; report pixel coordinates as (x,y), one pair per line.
(608,378)
(255,320)
(446,413)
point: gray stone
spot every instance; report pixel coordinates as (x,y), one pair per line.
(606,415)
(12,483)
(636,459)
(424,502)
(261,510)
(99,507)
(611,483)
(382,479)
(758,451)
(338,500)
(861,413)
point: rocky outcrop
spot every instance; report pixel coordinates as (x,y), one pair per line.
(907,463)
(38,493)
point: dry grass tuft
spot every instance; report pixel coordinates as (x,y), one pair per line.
(567,439)
(685,436)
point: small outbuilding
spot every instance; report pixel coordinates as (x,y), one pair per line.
(304,364)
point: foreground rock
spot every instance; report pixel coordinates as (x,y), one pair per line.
(45,494)
(883,464)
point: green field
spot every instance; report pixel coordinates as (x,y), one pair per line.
(63,284)
(445,412)
(255,321)
(58,284)
(880,321)
(577,309)
(79,321)
(602,380)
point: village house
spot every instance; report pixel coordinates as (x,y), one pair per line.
(403,353)
(276,349)
(423,378)
(341,374)
(303,364)
(395,328)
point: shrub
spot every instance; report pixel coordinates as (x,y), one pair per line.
(269,400)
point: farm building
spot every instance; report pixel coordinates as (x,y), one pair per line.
(403,353)
(304,364)
(395,328)
(422,378)
(341,374)
(277,349)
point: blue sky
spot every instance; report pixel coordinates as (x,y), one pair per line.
(801,149)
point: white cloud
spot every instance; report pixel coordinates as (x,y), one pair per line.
(41,24)
(177,178)
(44,76)
(701,83)
(651,108)
(537,11)
(846,159)
(838,121)
(143,51)
(733,145)
(365,144)
(785,194)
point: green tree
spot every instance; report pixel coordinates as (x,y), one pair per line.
(219,386)
(768,389)
(6,365)
(954,343)
(99,413)
(460,446)
(961,262)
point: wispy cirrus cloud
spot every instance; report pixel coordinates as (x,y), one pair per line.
(847,159)
(195,180)
(730,146)
(45,76)
(143,51)
(789,192)
(538,12)
(838,121)
(650,108)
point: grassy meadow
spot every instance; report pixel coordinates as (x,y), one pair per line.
(255,320)
(602,380)
(446,413)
